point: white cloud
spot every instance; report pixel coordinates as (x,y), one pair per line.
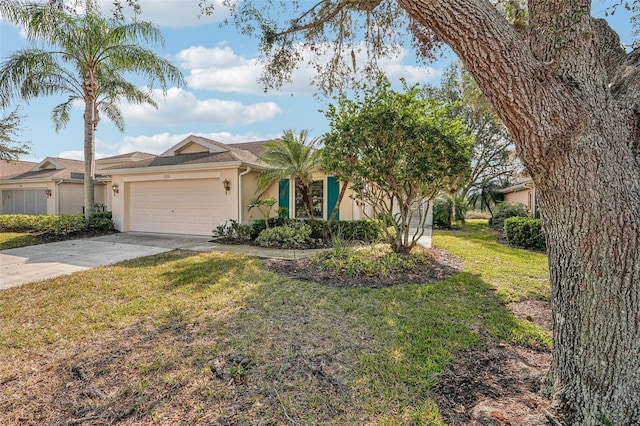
(180,107)
(157,143)
(219,68)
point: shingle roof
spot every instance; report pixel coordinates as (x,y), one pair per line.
(136,154)
(196,158)
(245,152)
(11,168)
(256,148)
(72,169)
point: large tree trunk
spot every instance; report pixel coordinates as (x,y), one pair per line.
(552,88)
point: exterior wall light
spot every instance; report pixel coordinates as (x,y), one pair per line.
(48,192)
(115,189)
(227,185)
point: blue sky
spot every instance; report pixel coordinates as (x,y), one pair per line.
(222,100)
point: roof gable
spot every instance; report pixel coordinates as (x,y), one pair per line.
(194,144)
(49,163)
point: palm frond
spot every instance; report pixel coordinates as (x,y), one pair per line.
(61,113)
(291,157)
(111,110)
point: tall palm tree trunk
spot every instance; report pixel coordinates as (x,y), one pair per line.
(89,87)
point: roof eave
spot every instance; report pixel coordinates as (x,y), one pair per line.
(175,168)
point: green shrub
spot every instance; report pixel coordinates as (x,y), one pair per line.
(233,230)
(292,235)
(102,221)
(442,210)
(378,260)
(505,210)
(58,224)
(366,230)
(101,215)
(259,225)
(386,219)
(524,232)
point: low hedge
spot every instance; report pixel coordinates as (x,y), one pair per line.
(524,232)
(505,210)
(367,230)
(102,221)
(58,224)
(292,235)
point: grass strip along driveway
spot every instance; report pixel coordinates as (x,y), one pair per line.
(209,338)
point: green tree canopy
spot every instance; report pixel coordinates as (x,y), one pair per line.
(88,58)
(399,149)
(10,147)
(493,158)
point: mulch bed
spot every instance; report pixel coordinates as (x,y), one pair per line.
(441,266)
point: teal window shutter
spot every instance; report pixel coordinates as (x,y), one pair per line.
(333,192)
(283,195)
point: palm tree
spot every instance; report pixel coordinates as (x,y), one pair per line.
(292,157)
(87,58)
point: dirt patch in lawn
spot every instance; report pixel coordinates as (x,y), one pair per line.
(496,384)
(499,384)
(532,310)
(439,266)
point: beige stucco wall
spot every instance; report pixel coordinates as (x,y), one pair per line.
(71,198)
(524,196)
(250,192)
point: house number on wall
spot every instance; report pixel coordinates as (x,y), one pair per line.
(167,176)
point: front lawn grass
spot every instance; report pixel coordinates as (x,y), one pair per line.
(9,240)
(209,338)
(516,274)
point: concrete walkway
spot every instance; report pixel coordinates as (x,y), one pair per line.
(33,263)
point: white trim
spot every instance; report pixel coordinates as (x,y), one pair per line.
(177,176)
(292,197)
(174,168)
(240,206)
(27,185)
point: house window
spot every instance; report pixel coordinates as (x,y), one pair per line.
(317,195)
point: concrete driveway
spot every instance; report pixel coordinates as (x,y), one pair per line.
(34,263)
(26,264)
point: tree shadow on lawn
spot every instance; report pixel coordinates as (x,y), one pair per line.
(237,344)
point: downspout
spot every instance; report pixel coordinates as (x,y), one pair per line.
(240,193)
(58,196)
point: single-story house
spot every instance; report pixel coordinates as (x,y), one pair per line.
(54,185)
(199,184)
(523,192)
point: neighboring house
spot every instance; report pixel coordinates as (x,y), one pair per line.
(54,186)
(524,193)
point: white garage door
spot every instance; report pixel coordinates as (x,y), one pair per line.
(190,206)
